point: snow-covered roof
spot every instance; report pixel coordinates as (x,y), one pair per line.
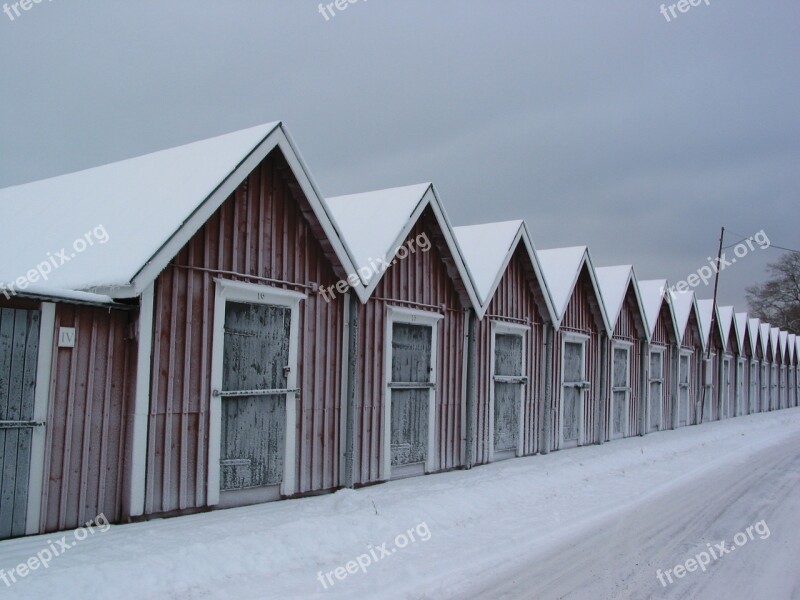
(743,330)
(562,268)
(614,283)
(774,336)
(728,326)
(705,311)
(682,304)
(754,326)
(766,334)
(487,249)
(375,224)
(147,207)
(782,339)
(654,293)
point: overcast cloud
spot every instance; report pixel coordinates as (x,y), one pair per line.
(600,123)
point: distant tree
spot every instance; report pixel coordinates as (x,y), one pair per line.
(777,300)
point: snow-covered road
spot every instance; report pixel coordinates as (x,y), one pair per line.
(619,557)
(593,522)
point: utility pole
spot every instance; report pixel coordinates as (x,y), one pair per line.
(713,322)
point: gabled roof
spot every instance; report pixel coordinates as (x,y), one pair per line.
(774,335)
(744,333)
(754,326)
(487,249)
(374,224)
(654,294)
(782,339)
(614,283)
(562,267)
(683,303)
(149,206)
(728,326)
(766,335)
(706,309)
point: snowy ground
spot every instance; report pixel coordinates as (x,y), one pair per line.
(594,522)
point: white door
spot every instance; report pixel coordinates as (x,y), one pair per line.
(508,387)
(683,390)
(573,391)
(656,401)
(621,392)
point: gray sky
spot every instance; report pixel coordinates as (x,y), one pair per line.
(598,122)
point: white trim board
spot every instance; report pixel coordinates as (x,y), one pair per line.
(41,401)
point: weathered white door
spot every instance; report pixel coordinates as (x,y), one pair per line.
(19,346)
(410,387)
(753,398)
(725,410)
(254,392)
(764,388)
(573,391)
(656,389)
(684,388)
(509,382)
(621,392)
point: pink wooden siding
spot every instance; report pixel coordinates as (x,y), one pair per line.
(91,398)
(262,232)
(513,302)
(425,281)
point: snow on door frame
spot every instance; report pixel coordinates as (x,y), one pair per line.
(625,427)
(583,341)
(237,291)
(506,328)
(411,316)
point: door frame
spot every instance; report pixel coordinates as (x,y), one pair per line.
(411,316)
(506,328)
(251,293)
(582,340)
(626,429)
(660,350)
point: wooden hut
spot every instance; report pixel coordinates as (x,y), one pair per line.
(729,363)
(191,361)
(626,345)
(515,318)
(777,363)
(745,396)
(578,374)
(712,360)
(690,361)
(408,414)
(783,383)
(663,355)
